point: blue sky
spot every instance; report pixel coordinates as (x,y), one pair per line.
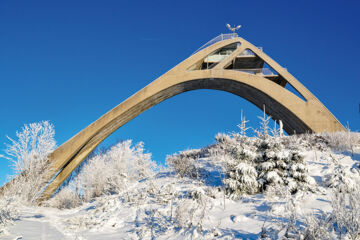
(69,62)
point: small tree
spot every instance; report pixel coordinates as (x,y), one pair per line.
(28,157)
(242,125)
(264,126)
(34,143)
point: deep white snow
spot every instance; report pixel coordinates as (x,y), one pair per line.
(170,205)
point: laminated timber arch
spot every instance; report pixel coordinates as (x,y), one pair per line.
(198,72)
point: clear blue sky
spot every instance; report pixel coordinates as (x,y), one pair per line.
(69,62)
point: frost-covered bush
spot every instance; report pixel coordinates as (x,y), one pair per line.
(346,212)
(342,223)
(107,172)
(8,213)
(190,212)
(339,141)
(242,178)
(65,198)
(249,164)
(344,178)
(253,164)
(184,163)
(28,157)
(318,227)
(342,140)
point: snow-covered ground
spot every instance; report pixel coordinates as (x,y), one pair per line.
(167,206)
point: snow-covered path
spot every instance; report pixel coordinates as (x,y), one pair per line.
(34,224)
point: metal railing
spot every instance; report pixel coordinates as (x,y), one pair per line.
(223,37)
(219,38)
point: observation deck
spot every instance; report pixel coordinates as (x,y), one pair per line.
(247,61)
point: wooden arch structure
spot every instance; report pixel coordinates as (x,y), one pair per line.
(230,64)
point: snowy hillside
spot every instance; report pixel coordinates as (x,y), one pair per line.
(263,187)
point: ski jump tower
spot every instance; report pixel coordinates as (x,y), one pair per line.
(227,63)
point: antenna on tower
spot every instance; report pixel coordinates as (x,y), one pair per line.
(233,29)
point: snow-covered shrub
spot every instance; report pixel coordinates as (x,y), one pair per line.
(254,163)
(344,178)
(241,178)
(309,141)
(318,227)
(191,213)
(110,171)
(339,141)
(342,140)
(28,157)
(65,198)
(184,163)
(346,212)
(250,164)
(313,227)
(342,223)
(8,213)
